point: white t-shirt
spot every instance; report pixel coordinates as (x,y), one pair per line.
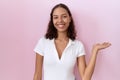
(55,68)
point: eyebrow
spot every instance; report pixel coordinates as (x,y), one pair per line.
(61,14)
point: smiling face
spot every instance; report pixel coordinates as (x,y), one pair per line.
(61,19)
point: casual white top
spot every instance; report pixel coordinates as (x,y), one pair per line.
(55,68)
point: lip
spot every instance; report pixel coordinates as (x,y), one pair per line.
(61,25)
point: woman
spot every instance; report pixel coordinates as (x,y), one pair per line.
(59,50)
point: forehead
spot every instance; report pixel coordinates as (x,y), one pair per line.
(60,10)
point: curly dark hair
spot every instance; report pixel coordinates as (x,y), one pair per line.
(52,31)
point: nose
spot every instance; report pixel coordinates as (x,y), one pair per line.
(60,19)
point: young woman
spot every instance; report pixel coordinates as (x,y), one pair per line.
(59,50)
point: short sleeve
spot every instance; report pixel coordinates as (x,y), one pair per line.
(81,50)
(39,48)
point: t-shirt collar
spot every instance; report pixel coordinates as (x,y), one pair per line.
(71,42)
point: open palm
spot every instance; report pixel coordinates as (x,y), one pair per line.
(99,46)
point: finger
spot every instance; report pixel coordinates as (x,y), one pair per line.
(107,44)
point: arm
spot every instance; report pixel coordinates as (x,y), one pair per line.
(87,71)
(38,67)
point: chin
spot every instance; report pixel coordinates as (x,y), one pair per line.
(62,31)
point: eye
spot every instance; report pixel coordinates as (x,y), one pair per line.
(55,17)
(64,16)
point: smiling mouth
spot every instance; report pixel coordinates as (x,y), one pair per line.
(61,25)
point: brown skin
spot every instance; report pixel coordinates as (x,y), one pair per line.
(38,67)
(61,21)
(86,71)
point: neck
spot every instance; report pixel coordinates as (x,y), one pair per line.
(62,36)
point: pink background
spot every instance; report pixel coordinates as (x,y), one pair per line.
(23,22)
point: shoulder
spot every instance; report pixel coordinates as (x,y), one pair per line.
(44,40)
(78,42)
(80,48)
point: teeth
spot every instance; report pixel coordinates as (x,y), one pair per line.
(61,25)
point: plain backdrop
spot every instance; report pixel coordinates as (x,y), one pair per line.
(24,22)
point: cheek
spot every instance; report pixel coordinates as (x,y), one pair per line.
(67,20)
(54,22)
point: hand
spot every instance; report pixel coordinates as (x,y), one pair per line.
(99,46)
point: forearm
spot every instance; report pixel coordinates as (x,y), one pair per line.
(87,71)
(90,67)
(37,76)
(38,67)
